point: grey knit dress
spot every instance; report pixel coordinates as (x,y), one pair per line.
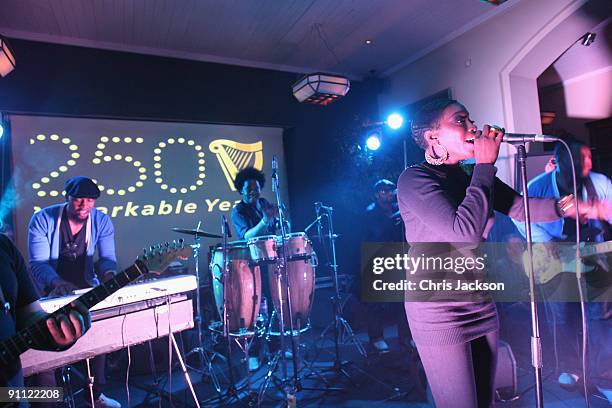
(454,204)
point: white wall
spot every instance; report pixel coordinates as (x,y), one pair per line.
(493,68)
(579,100)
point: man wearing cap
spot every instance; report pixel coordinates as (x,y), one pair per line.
(62,241)
(382,223)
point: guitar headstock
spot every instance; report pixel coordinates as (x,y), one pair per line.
(157,258)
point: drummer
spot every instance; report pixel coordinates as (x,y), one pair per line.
(252,217)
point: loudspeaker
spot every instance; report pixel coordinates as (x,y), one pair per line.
(506,382)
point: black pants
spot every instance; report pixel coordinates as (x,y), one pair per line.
(461,375)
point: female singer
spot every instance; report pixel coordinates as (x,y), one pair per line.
(441,201)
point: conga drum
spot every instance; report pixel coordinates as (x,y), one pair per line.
(263,249)
(301,272)
(244,287)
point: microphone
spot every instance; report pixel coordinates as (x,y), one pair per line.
(274,173)
(312,224)
(226,227)
(522,138)
(318,206)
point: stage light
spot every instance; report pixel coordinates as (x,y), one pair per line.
(395,121)
(7,60)
(373,142)
(1,129)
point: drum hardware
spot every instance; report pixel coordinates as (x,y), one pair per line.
(236,283)
(197,232)
(231,390)
(284,297)
(67,385)
(206,360)
(90,381)
(244,336)
(340,326)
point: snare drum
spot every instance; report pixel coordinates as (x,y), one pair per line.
(244,286)
(263,249)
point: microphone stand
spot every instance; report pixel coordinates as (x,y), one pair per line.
(282,273)
(536,345)
(340,326)
(231,391)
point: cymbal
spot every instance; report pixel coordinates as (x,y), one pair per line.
(196,233)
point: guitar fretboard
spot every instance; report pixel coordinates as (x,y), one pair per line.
(37,333)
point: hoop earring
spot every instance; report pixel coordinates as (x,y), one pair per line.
(435,159)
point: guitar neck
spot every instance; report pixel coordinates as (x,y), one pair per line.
(37,333)
(596,249)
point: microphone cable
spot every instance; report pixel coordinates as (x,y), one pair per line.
(580,281)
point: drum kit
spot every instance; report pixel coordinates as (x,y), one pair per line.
(288,263)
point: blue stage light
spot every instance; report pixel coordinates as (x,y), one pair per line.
(395,121)
(1,129)
(373,142)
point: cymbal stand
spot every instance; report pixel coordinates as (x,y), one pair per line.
(206,362)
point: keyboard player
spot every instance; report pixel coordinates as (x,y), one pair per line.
(62,240)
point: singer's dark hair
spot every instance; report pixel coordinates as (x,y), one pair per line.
(249,173)
(428,117)
(562,156)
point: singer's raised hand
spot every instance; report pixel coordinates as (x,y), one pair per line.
(486,144)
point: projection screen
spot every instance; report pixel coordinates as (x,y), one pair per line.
(154,175)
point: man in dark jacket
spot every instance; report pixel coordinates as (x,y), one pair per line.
(382,223)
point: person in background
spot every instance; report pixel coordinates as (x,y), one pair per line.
(63,240)
(382,223)
(596,190)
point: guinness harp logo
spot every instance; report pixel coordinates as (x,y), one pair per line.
(234,156)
